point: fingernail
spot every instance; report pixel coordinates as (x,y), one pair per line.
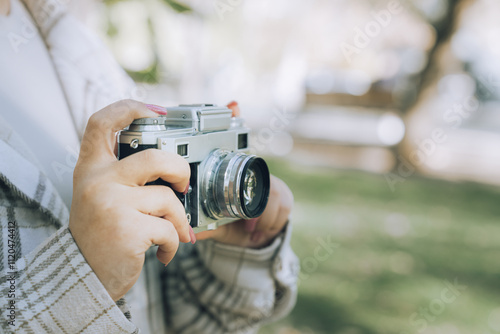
(256,236)
(235,108)
(157,109)
(192,235)
(251,224)
(186,191)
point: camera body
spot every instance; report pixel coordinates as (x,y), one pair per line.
(226,183)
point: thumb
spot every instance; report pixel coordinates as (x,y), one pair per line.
(99,138)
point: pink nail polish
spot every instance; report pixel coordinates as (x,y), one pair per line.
(186,191)
(235,108)
(251,224)
(192,235)
(157,109)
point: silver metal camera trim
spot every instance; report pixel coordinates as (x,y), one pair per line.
(230,205)
(209,181)
(195,125)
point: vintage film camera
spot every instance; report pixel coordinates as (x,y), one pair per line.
(226,183)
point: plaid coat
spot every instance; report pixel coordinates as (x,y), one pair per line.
(46,284)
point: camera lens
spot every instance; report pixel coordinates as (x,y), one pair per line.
(234,185)
(254,191)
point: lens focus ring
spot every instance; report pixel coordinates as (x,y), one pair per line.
(234,185)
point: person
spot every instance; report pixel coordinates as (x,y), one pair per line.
(123,259)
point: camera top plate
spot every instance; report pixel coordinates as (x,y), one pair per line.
(201,117)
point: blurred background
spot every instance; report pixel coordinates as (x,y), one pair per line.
(382,116)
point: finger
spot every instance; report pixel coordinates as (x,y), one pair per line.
(268,218)
(286,201)
(282,217)
(235,108)
(149,165)
(285,192)
(161,201)
(157,109)
(282,197)
(99,138)
(162,233)
(204,235)
(220,233)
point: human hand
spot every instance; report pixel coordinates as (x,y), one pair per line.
(257,232)
(114,217)
(4,7)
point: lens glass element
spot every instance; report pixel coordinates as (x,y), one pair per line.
(249,187)
(254,191)
(234,185)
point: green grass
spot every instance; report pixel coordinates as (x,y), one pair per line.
(395,251)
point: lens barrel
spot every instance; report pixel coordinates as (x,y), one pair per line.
(234,185)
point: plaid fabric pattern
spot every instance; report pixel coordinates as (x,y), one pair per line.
(207,288)
(53,288)
(216,288)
